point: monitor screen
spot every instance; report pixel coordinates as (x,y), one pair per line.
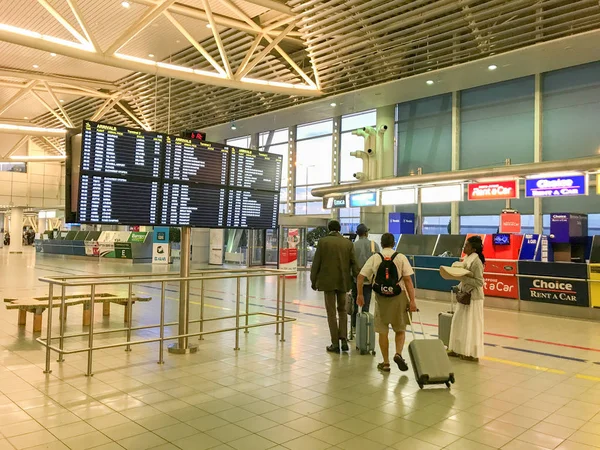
(501,239)
(135,177)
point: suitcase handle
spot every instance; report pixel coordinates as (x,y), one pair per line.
(412,328)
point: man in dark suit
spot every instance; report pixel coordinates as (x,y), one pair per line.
(334,266)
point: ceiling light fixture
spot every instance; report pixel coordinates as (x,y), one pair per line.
(151,55)
(429,82)
(52,54)
(208,25)
(26,118)
(61,100)
(333,105)
(492,67)
(125,4)
(233,126)
(35,66)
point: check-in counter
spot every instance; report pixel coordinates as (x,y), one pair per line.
(555,288)
(594,273)
(427,273)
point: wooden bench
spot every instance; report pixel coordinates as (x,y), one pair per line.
(37,305)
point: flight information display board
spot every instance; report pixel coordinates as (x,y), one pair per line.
(195,161)
(255,170)
(135,177)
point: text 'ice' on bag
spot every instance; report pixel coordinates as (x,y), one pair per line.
(387,279)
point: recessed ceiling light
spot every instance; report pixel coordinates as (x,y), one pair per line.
(333,104)
(429,82)
(492,67)
(208,25)
(35,66)
(26,118)
(61,100)
(125,4)
(52,54)
(151,55)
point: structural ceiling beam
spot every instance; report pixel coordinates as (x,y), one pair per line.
(225,21)
(91,83)
(155,68)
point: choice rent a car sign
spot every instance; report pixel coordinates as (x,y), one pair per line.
(499,190)
(556,186)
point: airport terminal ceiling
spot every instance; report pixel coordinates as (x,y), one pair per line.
(172,65)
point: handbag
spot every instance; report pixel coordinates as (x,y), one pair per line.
(463,297)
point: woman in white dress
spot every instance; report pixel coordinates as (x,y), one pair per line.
(466,334)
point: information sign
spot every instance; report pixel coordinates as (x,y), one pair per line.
(498,190)
(564,186)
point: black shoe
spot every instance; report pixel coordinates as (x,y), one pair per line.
(345,347)
(333,349)
(401,363)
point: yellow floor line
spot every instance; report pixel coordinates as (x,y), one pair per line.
(527,366)
(587,377)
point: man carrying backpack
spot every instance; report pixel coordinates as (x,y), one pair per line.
(390,275)
(364,249)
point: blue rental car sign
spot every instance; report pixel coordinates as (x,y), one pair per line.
(363,199)
(564,186)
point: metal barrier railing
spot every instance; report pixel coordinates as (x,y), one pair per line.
(143,278)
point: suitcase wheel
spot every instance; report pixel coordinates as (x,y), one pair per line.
(448,384)
(452,379)
(420,384)
(373,353)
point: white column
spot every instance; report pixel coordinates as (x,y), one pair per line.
(538,224)
(16,230)
(2,230)
(454,211)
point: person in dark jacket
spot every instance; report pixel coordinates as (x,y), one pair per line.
(332,272)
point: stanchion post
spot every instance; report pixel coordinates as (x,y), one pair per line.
(283,310)
(247,301)
(162,324)
(63,319)
(237,314)
(201,338)
(129,313)
(91,333)
(49,326)
(183,346)
(278,302)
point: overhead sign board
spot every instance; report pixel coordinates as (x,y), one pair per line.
(561,186)
(399,197)
(498,190)
(442,194)
(363,199)
(335,202)
(510,222)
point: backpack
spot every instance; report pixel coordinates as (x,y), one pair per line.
(387,279)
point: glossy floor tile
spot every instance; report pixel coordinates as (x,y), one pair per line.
(282,395)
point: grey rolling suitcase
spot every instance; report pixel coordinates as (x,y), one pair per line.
(429,359)
(365,333)
(445,321)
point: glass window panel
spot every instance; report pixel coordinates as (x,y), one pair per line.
(13,167)
(349,165)
(313,161)
(350,212)
(243,142)
(349,224)
(283,195)
(497,123)
(316,208)
(300,209)
(283,208)
(435,224)
(571,101)
(314,129)
(425,135)
(279,137)
(359,120)
(479,224)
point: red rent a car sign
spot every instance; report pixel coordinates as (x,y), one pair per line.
(497,190)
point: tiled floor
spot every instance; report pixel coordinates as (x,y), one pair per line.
(524,395)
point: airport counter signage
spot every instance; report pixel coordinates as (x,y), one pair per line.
(500,279)
(558,283)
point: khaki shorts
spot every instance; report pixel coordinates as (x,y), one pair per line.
(391,311)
